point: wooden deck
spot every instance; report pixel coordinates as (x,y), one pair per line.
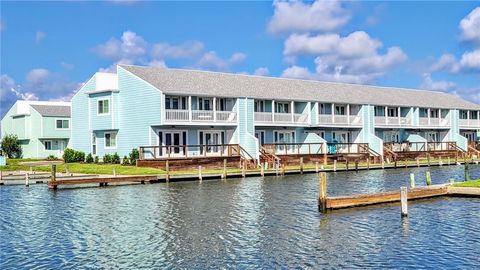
(101,181)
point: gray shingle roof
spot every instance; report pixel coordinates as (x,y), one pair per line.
(205,83)
(52,110)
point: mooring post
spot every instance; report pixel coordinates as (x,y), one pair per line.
(27,180)
(404,201)
(200,177)
(262,170)
(388,160)
(412,180)
(467,175)
(244,169)
(53,177)
(428,178)
(316,167)
(1,178)
(406,164)
(335,165)
(277,164)
(356,165)
(448,160)
(428,159)
(224,174)
(383,163)
(301,165)
(418,162)
(395,163)
(114,172)
(283,169)
(322,197)
(346,164)
(368,163)
(167,170)
(440,162)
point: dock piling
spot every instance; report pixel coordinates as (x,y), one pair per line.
(404,201)
(262,170)
(466,174)
(322,197)
(224,174)
(335,165)
(200,177)
(316,167)
(448,161)
(1,178)
(356,165)
(27,180)
(412,180)
(283,169)
(440,162)
(167,169)
(428,178)
(418,162)
(244,173)
(301,165)
(383,163)
(53,177)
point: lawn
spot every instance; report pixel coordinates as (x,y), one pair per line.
(471,183)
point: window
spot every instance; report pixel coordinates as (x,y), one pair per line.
(94,144)
(282,107)
(392,112)
(379,111)
(259,106)
(339,109)
(434,113)
(473,115)
(110,140)
(323,109)
(62,124)
(48,145)
(103,106)
(204,104)
(463,114)
(175,103)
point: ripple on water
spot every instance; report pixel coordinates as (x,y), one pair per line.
(252,223)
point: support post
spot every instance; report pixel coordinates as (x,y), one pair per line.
(53,177)
(167,169)
(224,174)
(335,165)
(440,162)
(412,180)
(244,169)
(356,165)
(262,170)
(448,161)
(316,167)
(200,177)
(301,165)
(467,175)
(322,197)
(428,178)
(404,201)
(418,162)
(1,178)
(428,159)
(27,180)
(283,169)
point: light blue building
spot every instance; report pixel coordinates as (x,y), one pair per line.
(189,113)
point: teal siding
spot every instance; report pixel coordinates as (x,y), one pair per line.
(246,127)
(314,113)
(102,122)
(139,107)
(81,130)
(49,128)
(367,134)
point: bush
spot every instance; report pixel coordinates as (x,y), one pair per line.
(11,147)
(107,158)
(89,158)
(115,158)
(133,156)
(51,157)
(125,161)
(70,155)
(96,160)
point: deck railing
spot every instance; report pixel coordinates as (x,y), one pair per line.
(281,118)
(343,120)
(316,148)
(434,121)
(469,123)
(396,121)
(200,116)
(420,146)
(186,151)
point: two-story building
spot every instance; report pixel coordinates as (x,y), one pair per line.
(42,127)
(190,113)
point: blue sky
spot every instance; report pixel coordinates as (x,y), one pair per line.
(49,48)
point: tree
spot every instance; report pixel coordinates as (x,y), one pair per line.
(11,147)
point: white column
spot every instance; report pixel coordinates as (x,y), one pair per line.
(468,118)
(399,115)
(190,108)
(440,117)
(348,113)
(386,115)
(428,115)
(273,110)
(292,108)
(333,113)
(215,109)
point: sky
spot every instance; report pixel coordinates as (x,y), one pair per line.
(48,49)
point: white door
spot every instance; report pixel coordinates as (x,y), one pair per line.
(61,147)
(171,142)
(469,135)
(213,141)
(283,139)
(432,136)
(260,135)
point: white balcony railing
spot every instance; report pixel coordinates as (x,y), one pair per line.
(342,120)
(287,118)
(393,121)
(200,116)
(469,123)
(423,121)
(434,122)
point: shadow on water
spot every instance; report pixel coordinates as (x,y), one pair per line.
(269,222)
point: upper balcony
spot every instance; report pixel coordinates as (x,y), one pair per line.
(469,119)
(340,115)
(393,116)
(271,112)
(429,117)
(206,110)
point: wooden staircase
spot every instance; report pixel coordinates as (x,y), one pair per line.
(268,156)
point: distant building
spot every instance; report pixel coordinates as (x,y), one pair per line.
(146,106)
(43,127)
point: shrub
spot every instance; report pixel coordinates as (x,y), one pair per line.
(89,158)
(115,158)
(11,147)
(133,156)
(107,158)
(96,160)
(70,155)
(125,161)
(51,157)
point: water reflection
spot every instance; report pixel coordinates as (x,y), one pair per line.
(245,223)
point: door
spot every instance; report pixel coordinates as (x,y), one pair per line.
(283,139)
(260,135)
(432,137)
(172,143)
(212,141)
(342,138)
(469,135)
(61,147)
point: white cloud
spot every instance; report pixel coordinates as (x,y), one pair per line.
(165,50)
(37,76)
(211,61)
(470,60)
(39,36)
(429,84)
(470,26)
(261,71)
(296,16)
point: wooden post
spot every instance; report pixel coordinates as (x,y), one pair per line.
(395,163)
(335,165)
(322,197)
(466,174)
(53,177)
(27,180)
(428,178)
(277,164)
(418,162)
(1,178)
(114,172)
(262,170)
(346,164)
(404,201)
(383,163)
(440,162)
(316,167)
(368,163)
(301,165)
(167,169)
(224,174)
(412,180)
(428,160)
(283,168)
(406,164)
(244,169)
(448,161)
(388,160)
(356,165)
(200,177)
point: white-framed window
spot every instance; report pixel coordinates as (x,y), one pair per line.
(110,140)
(175,102)
(47,145)
(283,107)
(340,110)
(62,124)
(94,144)
(103,106)
(323,108)
(434,113)
(392,112)
(259,106)
(205,104)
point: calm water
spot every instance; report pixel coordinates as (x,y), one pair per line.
(252,223)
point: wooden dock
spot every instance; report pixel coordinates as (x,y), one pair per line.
(101,181)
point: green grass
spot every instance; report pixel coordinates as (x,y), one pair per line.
(471,183)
